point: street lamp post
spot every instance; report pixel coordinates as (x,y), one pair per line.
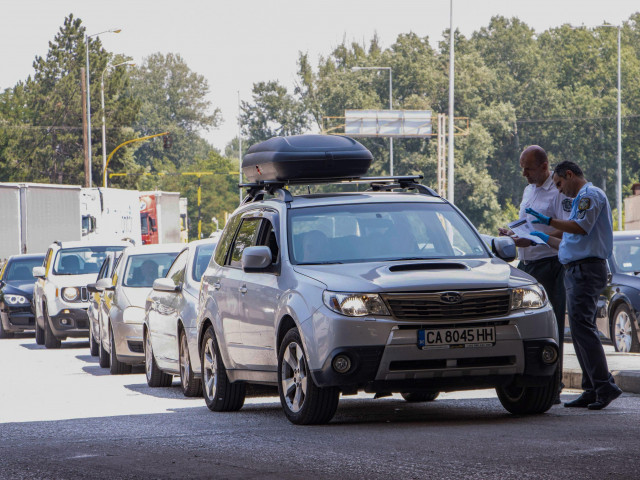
(355,69)
(104,128)
(87,37)
(450,175)
(619,121)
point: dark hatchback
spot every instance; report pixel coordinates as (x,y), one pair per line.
(16,293)
(619,302)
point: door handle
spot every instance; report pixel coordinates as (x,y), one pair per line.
(217,286)
(243,289)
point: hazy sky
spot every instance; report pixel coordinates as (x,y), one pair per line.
(237,43)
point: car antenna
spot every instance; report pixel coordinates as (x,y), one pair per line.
(309,189)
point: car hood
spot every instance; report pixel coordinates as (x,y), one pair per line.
(417,275)
(136,296)
(19,287)
(74,280)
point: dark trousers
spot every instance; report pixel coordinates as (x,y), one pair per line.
(550,273)
(583,283)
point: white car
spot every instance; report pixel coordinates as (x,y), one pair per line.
(121,313)
(60,296)
(170,334)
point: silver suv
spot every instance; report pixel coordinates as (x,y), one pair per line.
(382,291)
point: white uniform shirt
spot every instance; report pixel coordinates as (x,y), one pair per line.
(548,201)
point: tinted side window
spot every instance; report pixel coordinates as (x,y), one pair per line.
(244,239)
(105,268)
(268,238)
(226,239)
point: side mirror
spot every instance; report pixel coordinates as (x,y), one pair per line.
(504,248)
(256,259)
(104,284)
(165,285)
(38,272)
(92,288)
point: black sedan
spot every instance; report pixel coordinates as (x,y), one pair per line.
(16,292)
(619,303)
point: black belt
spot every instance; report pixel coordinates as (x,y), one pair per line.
(585,260)
(540,260)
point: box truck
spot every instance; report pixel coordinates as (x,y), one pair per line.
(110,214)
(160,217)
(33,215)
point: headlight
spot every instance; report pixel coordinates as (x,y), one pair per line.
(355,304)
(133,315)
(531,296)
(16,300)
(70,294)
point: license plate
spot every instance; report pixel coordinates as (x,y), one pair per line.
(470,337)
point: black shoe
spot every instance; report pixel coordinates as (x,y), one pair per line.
(583,401)
(605,400)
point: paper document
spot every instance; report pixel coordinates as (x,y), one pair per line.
(523,228)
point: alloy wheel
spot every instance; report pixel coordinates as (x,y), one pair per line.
(622,331)
(294,377)
(209,369)
(185,364)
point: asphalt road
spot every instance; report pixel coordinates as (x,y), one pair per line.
(62,416)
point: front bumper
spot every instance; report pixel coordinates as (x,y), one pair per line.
(128,342)
(399,365)
(70,322)
(17,319)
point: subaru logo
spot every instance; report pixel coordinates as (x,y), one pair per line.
(451,297)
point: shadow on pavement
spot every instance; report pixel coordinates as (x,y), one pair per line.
(96,370)
(65,345)
(87,358)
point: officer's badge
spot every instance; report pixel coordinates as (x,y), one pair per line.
(584,204)
(566,204)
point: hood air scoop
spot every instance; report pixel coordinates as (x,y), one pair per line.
(427,266)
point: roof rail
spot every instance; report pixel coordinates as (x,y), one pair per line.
(256,191)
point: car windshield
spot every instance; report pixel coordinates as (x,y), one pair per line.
(142,270)
(81,260)
(19,270)
(626,255)
(201,260)
(380,232)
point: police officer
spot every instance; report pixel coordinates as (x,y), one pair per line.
(583,250)
(541,262)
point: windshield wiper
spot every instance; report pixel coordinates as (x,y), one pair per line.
(400,259)
(320,263)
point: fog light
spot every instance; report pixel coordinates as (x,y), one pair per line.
(549,355)
(64,321)
(66,311)
(341,363)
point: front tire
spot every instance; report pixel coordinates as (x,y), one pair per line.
(93,345)
(50,340)
(416,397)
(528,400)
(219,393)
(155,376)
(116,367)
(39,334)
(4,333)
(303,402)
(623,330)
(191,386)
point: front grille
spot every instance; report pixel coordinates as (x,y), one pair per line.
(431,306)
(135,347)
(84,294)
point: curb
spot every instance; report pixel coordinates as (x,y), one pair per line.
(628,381)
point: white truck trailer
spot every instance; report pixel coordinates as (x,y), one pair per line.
(110,214)
(33,215)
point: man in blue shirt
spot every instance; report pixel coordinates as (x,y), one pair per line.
(586,244)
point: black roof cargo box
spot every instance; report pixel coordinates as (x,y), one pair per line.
(302,157)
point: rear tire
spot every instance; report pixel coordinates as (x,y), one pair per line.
(103,355)
(416,397)
(155,376)
(39,334)
(303,402)
(116,367)
(50,340)
(191,386)
(93,345)
(622,330)
(528,400)
(219,393)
